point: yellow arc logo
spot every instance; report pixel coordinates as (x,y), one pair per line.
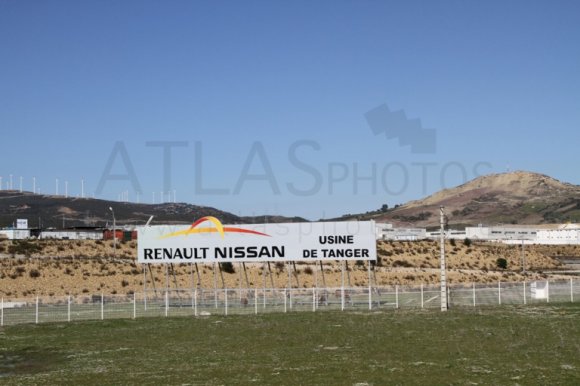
(217,228)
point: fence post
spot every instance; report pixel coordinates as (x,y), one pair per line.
(290,297)
(285,300)
(134,305)
(396,296)
(2,315)
(226,300)
(195,301)
(499,292)
(256,301)
(342,298)
(68,309)
(422,297)
(264,297)
(547,291)
(313,299)
(571,291)
(215,294)
(102,306)
(167,302)
(370,297)
(474,294)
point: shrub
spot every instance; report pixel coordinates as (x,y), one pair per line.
(34,273)
(452,242)
(124,283)
(501,263)
(308,271)
(227,267)
(24,247)
(467,242)
(402,263)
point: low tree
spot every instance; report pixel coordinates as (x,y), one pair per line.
(501,263)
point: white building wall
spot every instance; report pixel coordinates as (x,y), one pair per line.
(558,236)
(15,234)
(71,235)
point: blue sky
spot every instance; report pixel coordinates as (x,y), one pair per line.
(268,99)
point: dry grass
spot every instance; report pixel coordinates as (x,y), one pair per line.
(75,267)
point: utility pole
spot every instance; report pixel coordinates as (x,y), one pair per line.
(523,258)
(114,232)
(443,268)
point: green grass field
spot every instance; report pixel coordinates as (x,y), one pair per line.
(504,345)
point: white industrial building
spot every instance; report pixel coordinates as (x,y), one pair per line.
(71,235)
(500,233)
(449,234)
(558,236)
(21,231)
(15,234)
(386,231)
(527,234)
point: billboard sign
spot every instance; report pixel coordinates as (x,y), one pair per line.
(207,240)
(21,223)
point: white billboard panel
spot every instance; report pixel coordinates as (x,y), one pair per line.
(21,223)
(209,241)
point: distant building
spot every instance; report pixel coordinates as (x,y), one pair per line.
(449,234)
(386,231)
(15,234)
(546,234)
(71,234)
(558,236)
(501,233)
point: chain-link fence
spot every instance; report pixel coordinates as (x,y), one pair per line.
(200,302)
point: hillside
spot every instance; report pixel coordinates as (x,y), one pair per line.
(508,198)
(59,212)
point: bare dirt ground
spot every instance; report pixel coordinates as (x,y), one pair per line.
(61,267)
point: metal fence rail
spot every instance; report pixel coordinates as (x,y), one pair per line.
(199,302)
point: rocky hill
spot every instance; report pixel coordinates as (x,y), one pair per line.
(508,198)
